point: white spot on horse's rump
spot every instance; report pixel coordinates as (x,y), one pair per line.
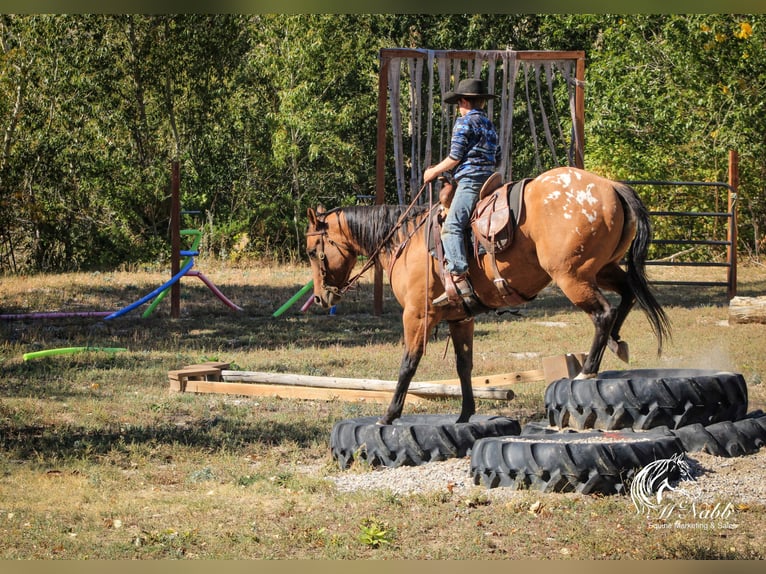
(585,196)
(552,196)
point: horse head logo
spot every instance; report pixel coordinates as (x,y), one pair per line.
(649,484)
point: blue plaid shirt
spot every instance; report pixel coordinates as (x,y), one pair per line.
(474,144)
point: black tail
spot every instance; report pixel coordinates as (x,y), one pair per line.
(636,265)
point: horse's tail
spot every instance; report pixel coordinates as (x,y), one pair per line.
(636,265)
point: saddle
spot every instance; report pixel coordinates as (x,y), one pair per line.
(493,224)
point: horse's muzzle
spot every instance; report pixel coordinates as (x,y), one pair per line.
(327,299)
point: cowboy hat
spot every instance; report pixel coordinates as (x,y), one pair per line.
(468,88)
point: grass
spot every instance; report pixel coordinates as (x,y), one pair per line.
(98,459)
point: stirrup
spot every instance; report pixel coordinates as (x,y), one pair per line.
(463,288)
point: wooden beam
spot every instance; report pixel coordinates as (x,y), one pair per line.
(422,389)
(295,392)
(214,377)
(747,310)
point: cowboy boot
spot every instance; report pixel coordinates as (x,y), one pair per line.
(462,290)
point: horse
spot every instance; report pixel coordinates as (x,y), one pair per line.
(574,228)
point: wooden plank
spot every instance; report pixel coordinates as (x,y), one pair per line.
(210,364)
(194,372)
(425,389)
(253,383)
(294,392)
(747,310)
(505,379)
(563,366)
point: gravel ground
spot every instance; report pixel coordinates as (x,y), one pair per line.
(741,480)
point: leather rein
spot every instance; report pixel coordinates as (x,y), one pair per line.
(372,258)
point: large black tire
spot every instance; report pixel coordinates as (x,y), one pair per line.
(726,438)
(413,439)
(644,399)
(589,462)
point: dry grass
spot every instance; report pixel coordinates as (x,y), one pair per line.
(99,460)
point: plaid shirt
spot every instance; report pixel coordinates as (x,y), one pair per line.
(475,145)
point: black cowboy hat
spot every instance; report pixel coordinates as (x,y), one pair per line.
(468,88)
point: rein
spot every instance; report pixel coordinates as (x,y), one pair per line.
(371,258)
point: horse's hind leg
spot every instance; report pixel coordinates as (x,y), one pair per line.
(586,295)
(462,337)
(614,278)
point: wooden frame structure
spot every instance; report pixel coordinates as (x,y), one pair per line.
(390,55)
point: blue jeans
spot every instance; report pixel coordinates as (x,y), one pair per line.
(455,227)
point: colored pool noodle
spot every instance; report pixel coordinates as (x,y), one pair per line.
(216,291)
(188,254)
(291,301)
(307,304)
(154,293)
(69,351)
(54,315)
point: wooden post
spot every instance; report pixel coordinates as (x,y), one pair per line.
(580,113)
(175,238)
(732,232)
(380,172)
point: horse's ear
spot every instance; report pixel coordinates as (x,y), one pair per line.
(320,208)
(312,217)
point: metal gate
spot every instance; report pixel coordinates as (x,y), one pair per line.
(730,243)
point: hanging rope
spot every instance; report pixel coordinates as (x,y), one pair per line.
(394,75)
(416,82)
(430,112)
(546,126)
(571,83)
(549,71)
(531,115)
(508,94)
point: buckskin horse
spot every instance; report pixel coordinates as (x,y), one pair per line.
(573,228)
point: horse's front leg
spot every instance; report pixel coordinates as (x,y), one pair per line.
(415,333)
(462,338)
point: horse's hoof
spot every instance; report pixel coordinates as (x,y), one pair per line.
(582,376)
(621,349)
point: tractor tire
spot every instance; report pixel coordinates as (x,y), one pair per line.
(588,462)
(644,399)
(725,439)
(413,440)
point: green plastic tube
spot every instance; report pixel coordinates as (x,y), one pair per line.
(69,351)
(291,301)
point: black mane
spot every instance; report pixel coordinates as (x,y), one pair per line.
(371,225)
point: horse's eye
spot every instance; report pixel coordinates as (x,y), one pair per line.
(312,254)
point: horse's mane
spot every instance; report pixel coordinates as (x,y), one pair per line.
(371,225)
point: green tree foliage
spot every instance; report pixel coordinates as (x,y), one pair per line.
(669,96)
(271,114)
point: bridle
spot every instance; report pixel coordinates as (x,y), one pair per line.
(322,261)
(324,236)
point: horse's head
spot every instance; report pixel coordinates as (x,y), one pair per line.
(332,258)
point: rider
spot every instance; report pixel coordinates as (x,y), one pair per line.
(474,154)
